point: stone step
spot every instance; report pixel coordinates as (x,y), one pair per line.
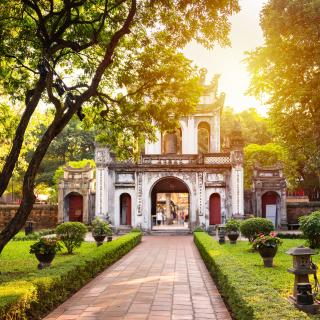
(170,232)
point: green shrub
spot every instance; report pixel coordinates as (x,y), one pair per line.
(32,236)
(46,246)
(136,230)
(310,226)
(101,228)
(285,235)
(232,225)
(39,292)
(72,234)
(250,296)
(252,227)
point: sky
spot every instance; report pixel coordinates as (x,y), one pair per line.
(245,35)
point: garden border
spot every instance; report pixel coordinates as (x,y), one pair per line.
(248,298)
(37,297)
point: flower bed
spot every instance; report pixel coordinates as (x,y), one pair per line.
(28,293)
(252,291)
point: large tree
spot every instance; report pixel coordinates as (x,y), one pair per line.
(118,59)
(286,71)
(268,155)
(254,127)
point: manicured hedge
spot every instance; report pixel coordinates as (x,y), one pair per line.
(287,235)
(32,236)
(249,297)
(36,295)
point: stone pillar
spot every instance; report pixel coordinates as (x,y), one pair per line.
(102,159)
(237,192)
(200,193)
(283,208)
(101,191)
(61,202)
(192,137)
(86,208)
(236,155)
(215,144)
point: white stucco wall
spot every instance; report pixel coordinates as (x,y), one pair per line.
(237,191)
(118,192)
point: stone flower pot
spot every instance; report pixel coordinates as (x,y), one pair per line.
(45,259)
(233,236)
(267,254)
(99,238)
(109,238)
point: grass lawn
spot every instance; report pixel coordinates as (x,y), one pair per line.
(16,263)
(29,293)
(251,290)
(278,277)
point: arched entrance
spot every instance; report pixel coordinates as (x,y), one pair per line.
(170,204)
(215,209)
(203,137)
(125,209)
(269,202)
(74,207)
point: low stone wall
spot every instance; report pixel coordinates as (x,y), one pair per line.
(44,216)
(298,209)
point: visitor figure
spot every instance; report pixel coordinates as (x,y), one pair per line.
(182,218)
(159,217)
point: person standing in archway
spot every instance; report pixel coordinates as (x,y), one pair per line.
(159,217)
(182,218)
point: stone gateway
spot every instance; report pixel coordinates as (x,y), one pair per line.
(183,179)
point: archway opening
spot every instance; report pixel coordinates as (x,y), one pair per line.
(270,202)
(125,209)
(170,204)
(74,207)
(203,137)
(215,209)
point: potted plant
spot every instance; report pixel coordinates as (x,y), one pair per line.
(100,229)
(267,246)
(232,228)
(45,250)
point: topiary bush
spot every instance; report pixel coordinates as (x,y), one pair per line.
(233,225)
(72,234)
(310,226)
(101,227)
(252,227)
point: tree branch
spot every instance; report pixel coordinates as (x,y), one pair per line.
(107,60)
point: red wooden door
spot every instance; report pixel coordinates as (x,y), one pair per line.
(268,198)
(215,209)
(125,210)
(75,207)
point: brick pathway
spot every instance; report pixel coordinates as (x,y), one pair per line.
(163,278)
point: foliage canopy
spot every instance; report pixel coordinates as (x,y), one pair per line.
(115,62)
(286,71)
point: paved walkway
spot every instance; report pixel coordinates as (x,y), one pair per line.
(163,278)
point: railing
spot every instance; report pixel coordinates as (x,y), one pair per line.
(187,159)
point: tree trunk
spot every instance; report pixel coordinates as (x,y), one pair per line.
(28,197)
(12,158)
(54,129)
